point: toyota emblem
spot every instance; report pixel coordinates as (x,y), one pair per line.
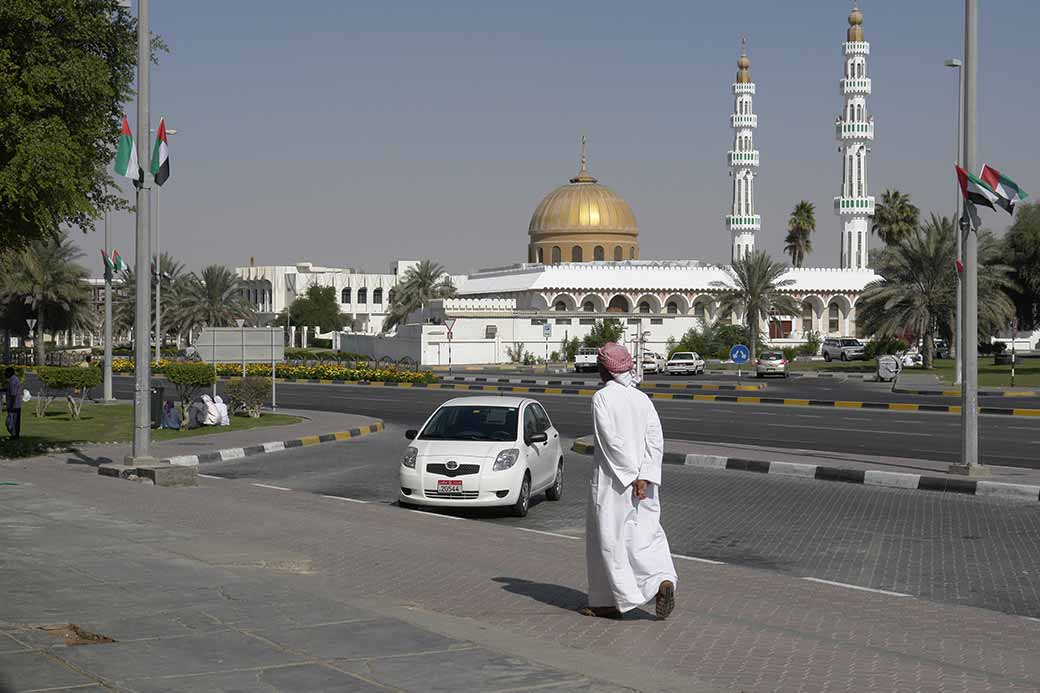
(452,465)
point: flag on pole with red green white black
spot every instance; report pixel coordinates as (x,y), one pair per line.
(976,191)
(160,155)
(126,155)
(1007,190)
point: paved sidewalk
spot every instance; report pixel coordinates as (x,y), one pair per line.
(513,591)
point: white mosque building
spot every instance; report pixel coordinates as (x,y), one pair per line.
(583,263)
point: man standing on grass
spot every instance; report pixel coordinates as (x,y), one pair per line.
(13,402)
(629,562)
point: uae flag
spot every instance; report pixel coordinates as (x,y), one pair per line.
(160,155)
(126,155)
(1008,191)
(975,191)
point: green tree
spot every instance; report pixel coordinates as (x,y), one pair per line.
(800,227)
(609,330)
(895,218)
(916,297)
(124,299)
(46,280)
(1022,253)
(756,291)
(420,284)
(67,70)
(212,299)
(319,306)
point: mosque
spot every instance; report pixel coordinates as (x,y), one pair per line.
(583,263)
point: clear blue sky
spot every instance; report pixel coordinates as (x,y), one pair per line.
(351,133)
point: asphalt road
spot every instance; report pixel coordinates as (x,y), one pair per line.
(941,547)
(1007,441)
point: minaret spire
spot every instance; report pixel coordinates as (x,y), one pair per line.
(583,174)
(855,130)
(742,221)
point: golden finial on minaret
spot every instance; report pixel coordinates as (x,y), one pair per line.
(743,64)
(855,23)
(583,175)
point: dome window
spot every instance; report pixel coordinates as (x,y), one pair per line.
(598,254)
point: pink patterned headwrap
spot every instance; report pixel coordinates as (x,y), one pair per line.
(614,358)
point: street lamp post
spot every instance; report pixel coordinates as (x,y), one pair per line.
(242,336)
(107,377)
(158,271)
(958,333)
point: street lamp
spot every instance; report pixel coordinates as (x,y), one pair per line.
(158,267)
(242,334)
(958,334)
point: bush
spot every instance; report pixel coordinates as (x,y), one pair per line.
(884,345)
(72,382)
(609,330)
(812,345)
(790,353)
(999,348)
(248,393)
(189,378)
(323,371)
(319,343)
(570,349)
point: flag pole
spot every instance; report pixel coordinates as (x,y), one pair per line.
(107,387)
(158,282)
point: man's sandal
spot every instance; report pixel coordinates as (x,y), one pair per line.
(665,603)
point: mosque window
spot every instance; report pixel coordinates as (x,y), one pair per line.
(644,307)
(618,304)
(344,296)
(377,296)
(490,331)
(807,316)
(597,254)
(619,254)
(560,306)
(362,295)
(588,307)
(672,308)
(631,253)
(699,311)
(541,256)
(834,318)
(556,255)
(576,254)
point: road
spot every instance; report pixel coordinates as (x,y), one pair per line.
(1007,441)
(938,546)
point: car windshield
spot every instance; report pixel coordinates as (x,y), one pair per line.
(683,355)
(472,423)
(850,342)
(772,356)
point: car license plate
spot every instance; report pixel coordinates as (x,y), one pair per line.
(449,486)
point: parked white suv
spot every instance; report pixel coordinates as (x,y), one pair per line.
(843,348)
(685,363)
(585,360)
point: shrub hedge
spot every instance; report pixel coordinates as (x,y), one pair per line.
(323,371)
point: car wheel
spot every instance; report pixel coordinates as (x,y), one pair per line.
(844,356)
(555,492)
(523,501)
(827,356)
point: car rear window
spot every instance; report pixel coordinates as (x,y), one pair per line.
(587,352)
(850,342)
(472,423)
(773,356)
(684,355)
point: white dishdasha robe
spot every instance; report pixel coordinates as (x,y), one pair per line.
(626,549)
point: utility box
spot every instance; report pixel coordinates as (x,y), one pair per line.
(157,405)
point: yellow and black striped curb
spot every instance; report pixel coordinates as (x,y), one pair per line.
(645,385)
(867,477)
(277,446)
(957,393)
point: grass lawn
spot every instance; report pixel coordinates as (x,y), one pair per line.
(1027,372)
(99,423)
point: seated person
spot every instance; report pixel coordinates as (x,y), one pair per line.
(222,410)
(203,413)
(171,417)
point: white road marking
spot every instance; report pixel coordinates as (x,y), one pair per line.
(1023,428)
(344,498)
(1031,618)
(854,430)
(548,534)
(424,513)
(210,476)
(276,488)
(698,560)
(855,587)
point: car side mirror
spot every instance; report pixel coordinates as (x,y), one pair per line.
(541,437)
(411,434)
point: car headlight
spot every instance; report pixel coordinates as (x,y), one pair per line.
(506,459)
(409,457)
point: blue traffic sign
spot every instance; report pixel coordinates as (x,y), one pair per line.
(739,354)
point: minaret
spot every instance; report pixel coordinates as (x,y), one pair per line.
(743,162)
(855,130)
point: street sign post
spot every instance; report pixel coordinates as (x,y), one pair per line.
(449,323)
(547,333)
(739,355)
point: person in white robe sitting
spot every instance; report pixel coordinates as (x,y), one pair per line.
(222,410)
(628,558)
(203,413)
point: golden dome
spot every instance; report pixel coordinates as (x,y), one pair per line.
(583,221)
(743,64)
(856,24)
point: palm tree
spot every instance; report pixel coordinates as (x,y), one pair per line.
(917,295)
(895,217)
(46,279)
(755,290)
(800,227)
(124,300)
(421,284)
(213,299)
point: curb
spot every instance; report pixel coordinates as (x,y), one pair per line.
(867,477)
(645,385)
(263,448)
(957,393)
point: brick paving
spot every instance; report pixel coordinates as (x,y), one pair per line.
(736,628)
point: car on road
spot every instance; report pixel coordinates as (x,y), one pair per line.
(585,360)
(685,363)
(771,363)
(476,452)
(843,349)
(654,363)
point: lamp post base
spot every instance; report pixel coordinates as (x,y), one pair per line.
(974,470)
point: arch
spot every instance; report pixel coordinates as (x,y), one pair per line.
(556,255)
(598,254)
(595,302)
(652,302)
(632,253)
(703,308)
(811,314)
(344,296)
(541,256)
(362,295)
(838,308)
(619,304)
(377,296)
(576,254)
(619,253)
(681,305)
(565,300)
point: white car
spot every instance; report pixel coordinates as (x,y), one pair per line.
(585,360)
(654,363)
(685,363)
(475,452)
